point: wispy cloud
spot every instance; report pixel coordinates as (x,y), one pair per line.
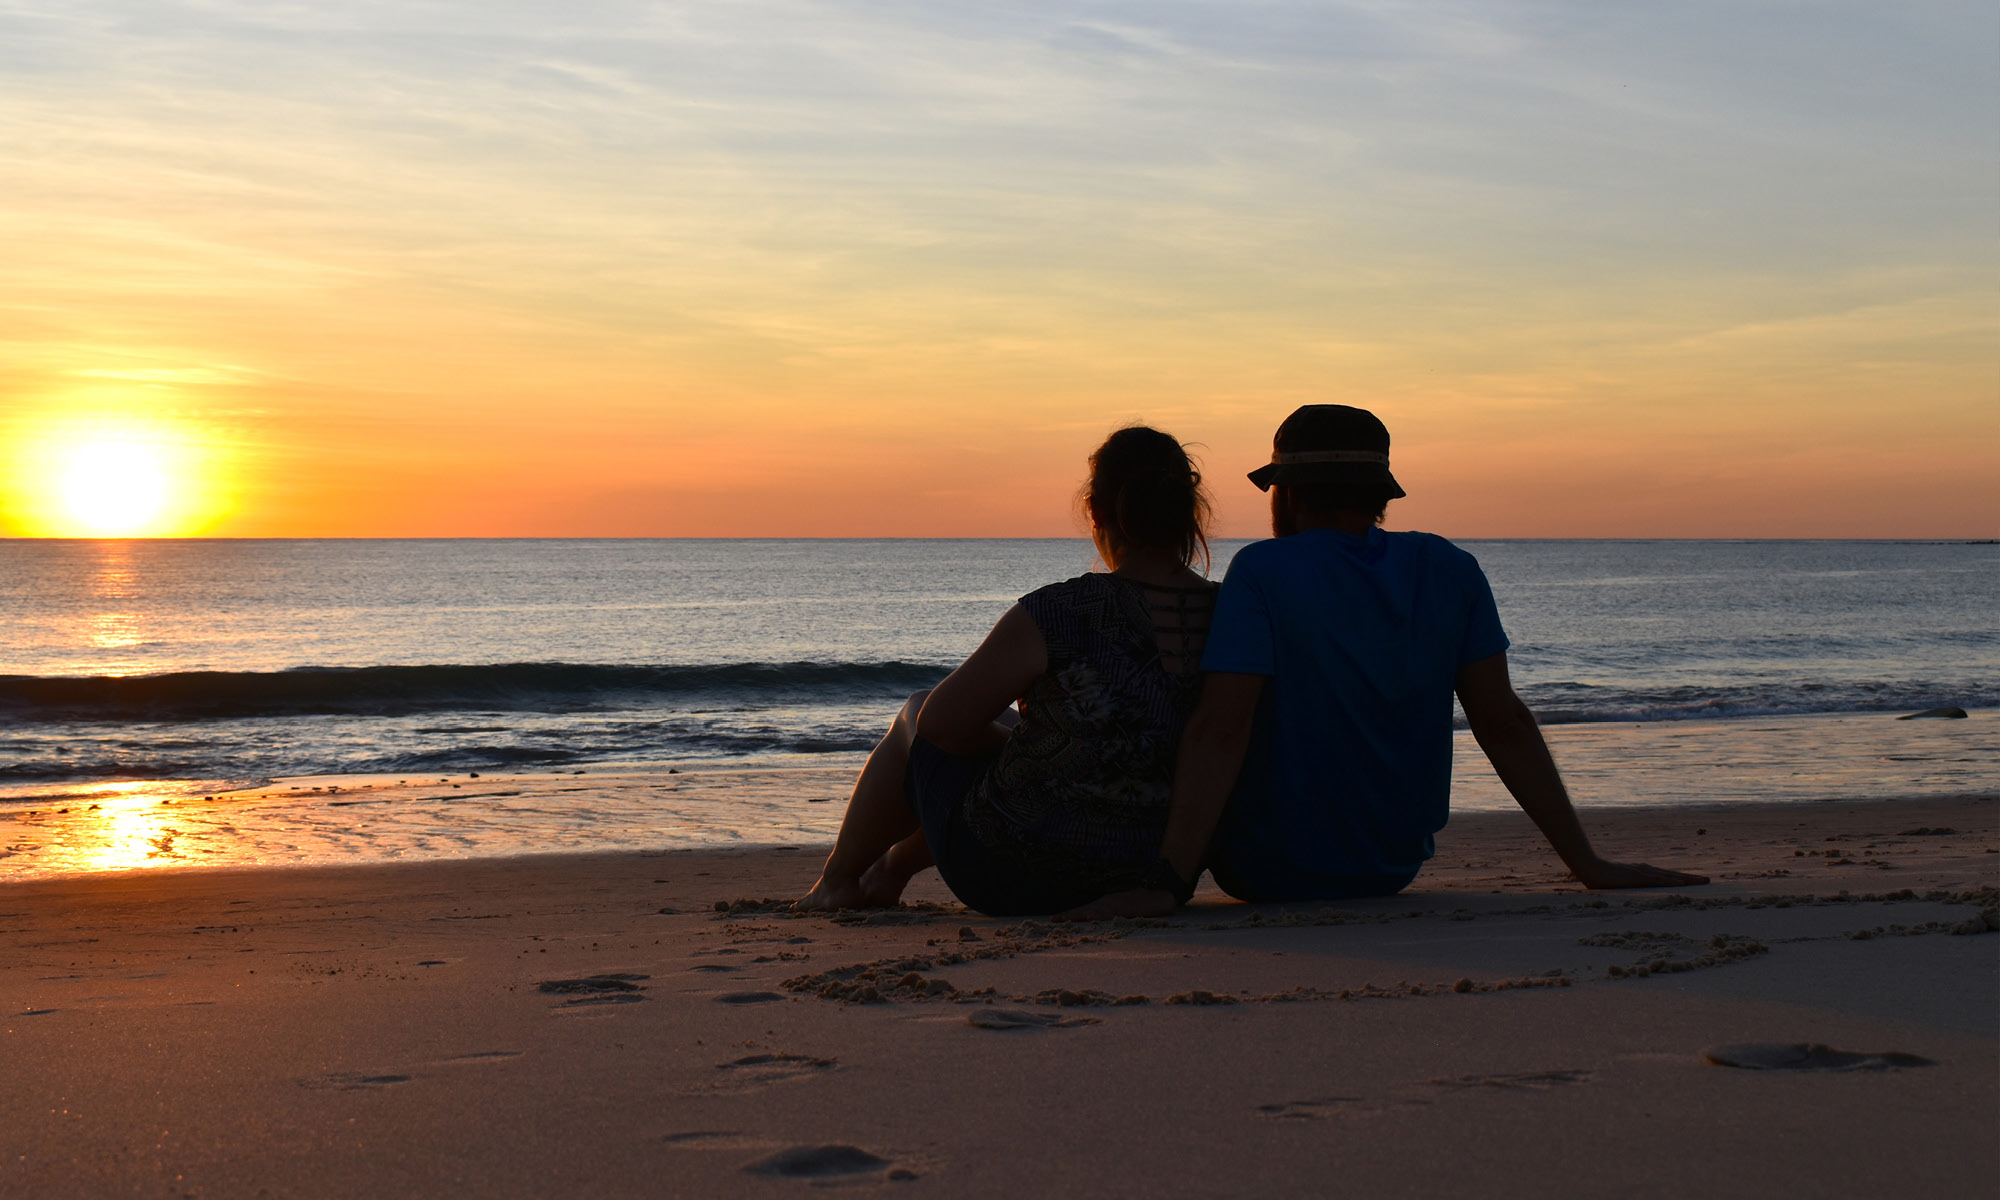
(779,198)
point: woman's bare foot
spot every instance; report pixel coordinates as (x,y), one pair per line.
(832,896)
(881,885)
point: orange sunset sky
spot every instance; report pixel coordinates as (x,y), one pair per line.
(856,269)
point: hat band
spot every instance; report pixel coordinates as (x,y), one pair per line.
(1288,458)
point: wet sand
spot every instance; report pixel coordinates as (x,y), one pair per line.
(595,1024)
(48,829)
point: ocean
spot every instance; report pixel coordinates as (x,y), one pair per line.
(246,661)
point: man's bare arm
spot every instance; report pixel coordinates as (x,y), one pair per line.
(1506,731)
(1205,768)
(1206,765)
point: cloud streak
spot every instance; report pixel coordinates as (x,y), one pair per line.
(652,218)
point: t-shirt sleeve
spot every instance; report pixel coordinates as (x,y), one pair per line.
(1048,607)
(1484,637)
(1239,635)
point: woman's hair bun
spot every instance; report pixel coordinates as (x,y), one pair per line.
(1144,491)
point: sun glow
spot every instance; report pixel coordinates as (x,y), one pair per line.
(115,488)
(114,476)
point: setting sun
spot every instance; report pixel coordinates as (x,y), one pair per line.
(113,476)
(115,488)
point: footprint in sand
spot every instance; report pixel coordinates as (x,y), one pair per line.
(1021,1018)
(613,988)
(481,1056)
(609,982)
(716,1139)
(1806,1056)
(1325,1107)
(1313,1110)
(762,1070)
(714,968)
(1539,1081)
(819,1162)
(750,997)
(348,1082)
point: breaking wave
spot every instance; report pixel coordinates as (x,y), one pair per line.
(401,691)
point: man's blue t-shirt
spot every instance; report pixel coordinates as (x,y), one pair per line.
(1349,773)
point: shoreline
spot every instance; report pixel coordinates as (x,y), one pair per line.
(1628,831)
(782,800)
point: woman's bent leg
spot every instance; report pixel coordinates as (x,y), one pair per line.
(882,884)
(878,817)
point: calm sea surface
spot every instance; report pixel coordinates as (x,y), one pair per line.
(245,660)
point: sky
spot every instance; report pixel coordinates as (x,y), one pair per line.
(769,268)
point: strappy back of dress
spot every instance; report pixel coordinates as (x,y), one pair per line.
(1181,617)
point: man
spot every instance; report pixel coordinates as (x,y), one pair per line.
(1317,765)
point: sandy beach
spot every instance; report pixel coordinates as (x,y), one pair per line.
(482,486)
(627,1024)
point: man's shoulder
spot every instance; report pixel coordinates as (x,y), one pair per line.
(1402,543)
(1432,545)
(1278,562)
(1257,556)
(1414,550)
(1397,553)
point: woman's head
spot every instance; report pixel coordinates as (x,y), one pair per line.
(1144,494)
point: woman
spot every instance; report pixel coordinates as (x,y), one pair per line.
(1050,806)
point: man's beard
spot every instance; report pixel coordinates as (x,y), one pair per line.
(1283,524)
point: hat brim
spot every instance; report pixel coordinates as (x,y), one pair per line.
(1349,473)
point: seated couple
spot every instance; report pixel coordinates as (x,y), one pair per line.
(1289,732)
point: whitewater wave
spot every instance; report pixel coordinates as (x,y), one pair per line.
(1573,704)
(572,688)
(548,716)
(404,690)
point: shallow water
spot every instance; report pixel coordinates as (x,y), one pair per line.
(249,660)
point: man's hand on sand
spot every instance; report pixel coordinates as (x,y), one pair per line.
(1141,902)
(1602,875)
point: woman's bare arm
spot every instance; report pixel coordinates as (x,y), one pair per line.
(961,715)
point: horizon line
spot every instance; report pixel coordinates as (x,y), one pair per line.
(1911,539)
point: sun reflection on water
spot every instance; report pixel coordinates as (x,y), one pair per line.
(105,827)
(113,574)
(133,830)
(113,585)
(131,826)
(114,581)
(113,631)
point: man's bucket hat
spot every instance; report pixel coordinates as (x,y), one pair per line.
(1329,443)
